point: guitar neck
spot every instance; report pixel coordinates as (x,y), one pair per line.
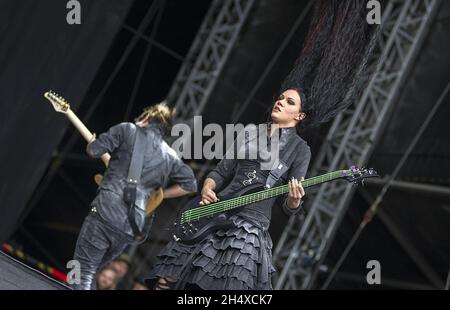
(87,135)
(223,206)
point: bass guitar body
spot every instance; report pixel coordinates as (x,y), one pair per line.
(209,218)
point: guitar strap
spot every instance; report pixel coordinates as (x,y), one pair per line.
(134,176)
(283,164)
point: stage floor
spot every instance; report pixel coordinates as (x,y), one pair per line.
(15,275)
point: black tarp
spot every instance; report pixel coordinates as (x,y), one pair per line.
(39,50)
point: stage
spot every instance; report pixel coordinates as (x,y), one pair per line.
(15,275)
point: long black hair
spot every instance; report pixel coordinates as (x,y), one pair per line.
(333,69)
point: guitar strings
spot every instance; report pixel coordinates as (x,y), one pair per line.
(193,215)
(204,211)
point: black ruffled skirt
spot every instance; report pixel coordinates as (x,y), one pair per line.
(239,258)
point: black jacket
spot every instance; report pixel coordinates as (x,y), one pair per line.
(161,167)
(230,175)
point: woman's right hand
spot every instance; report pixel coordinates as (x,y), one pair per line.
(208,196)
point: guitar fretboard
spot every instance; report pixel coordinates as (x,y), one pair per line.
(226,205)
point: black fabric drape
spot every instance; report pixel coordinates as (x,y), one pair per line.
(39,50)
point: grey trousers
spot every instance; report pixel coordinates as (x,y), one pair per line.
(98,243)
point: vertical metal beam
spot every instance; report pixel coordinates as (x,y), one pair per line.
(207,56)
(350,140)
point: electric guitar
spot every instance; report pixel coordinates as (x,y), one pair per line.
(62,106)
(194,222)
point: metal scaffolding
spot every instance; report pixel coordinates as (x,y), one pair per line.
(205,60)
(350,140)
(199,73)
(207,56)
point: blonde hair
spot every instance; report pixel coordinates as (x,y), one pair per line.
(160,112)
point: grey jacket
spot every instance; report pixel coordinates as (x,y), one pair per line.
(161,168)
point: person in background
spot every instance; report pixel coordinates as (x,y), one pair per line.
(111,224)
(121,265)
(107,279)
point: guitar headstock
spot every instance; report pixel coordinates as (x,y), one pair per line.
(59,103)
(357,175)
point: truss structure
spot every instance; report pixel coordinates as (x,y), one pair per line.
(202,67)
(207,56)
(305,241)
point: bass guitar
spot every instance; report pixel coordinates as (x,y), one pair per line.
(194,222)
